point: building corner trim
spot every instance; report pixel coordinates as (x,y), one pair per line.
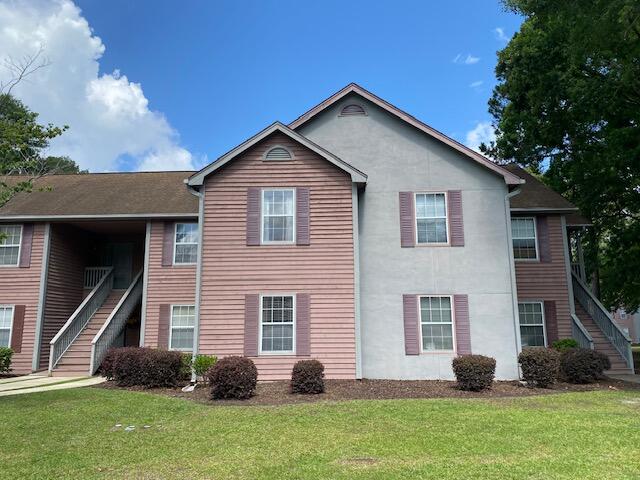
(44,275)
(356,278)
(145,283)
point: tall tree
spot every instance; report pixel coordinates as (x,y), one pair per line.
(567,103)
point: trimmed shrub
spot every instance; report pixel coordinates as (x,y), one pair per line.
(307,377)
(5,359)
(202,364)
(582,365)
(539,366)
(233,377)
(145,367)
(474,372)
(565,344)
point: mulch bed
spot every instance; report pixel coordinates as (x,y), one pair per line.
(277,393)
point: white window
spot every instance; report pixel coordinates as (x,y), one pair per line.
(431,217)
(6,322)
(10,237)
(436,321)
(186,244)
(183,319)
(277,324)
(532,332)
(523,234)
(278,217)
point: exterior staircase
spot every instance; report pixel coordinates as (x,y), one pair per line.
(77,358)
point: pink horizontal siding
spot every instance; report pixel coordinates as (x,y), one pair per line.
(548,280)
(21,286)
(324,269)
(165,285)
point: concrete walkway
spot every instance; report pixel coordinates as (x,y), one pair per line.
(627,377)
(41,383)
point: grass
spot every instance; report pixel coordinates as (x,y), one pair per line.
(71,434)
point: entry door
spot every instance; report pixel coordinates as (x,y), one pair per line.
(122,258)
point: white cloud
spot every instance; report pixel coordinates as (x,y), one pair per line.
(108,115)
(468,60)
(482,133)
(476,84)
(500,35)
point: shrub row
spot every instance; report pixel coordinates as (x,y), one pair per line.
(542,366)
(147,367)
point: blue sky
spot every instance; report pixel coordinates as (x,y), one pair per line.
(220,71)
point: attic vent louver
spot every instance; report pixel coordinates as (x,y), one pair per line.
(278,153)
(352,109)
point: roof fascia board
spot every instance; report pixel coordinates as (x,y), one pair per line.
(510,178)
(197,179)
(114,216)
(545,209)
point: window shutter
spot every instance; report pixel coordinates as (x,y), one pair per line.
(167,244)
(251,324)
(164,323)
(411,325)
(303,342)
(407,220)
(456,228)
(542,229)
(463,329)
(25,247)
(550,321)
(253,216)
(17,328)
(302,216)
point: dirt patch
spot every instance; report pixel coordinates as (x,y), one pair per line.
(278,393)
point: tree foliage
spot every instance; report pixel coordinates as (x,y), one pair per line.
(568,98)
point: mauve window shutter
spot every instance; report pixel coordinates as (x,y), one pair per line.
(302,216)
(164,322)
(456,225)
(550,321)
(251,324)
(303,342)
(167,244)
(25,247)
(542,228)
(463,328)
(407,220)
(411,325)
(253,216)
(17,328)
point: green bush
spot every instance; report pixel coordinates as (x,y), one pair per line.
(582,365)
(565,344)
(474,372)
(203,363)
(5,359)
(539,366)
(307,377)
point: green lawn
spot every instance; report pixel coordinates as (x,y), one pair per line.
(70,434)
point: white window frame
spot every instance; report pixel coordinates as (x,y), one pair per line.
(446,219)
(13,317)
(260,325)
(172,306)
(453,324)
(175,243)
(544,320)
(535,232)
(262,203)
(14,245)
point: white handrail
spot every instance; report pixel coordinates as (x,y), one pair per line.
(583,331)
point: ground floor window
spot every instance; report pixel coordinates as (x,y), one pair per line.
(436,322)
(6,321)
(277,324)
(182,324)
(532,332)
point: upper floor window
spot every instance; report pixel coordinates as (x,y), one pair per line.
(182,324)
(523,234)
(431,218)
(532,332)
(10,236)
(6,321)
(278,153)
(436,322)
(277,324)
(278,215)
(186,243)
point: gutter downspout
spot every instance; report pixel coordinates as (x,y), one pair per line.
(42,294)
(196,326)
(356,277)
(145,282)
(512,267)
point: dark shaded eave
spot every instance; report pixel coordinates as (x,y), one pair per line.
(536,197)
